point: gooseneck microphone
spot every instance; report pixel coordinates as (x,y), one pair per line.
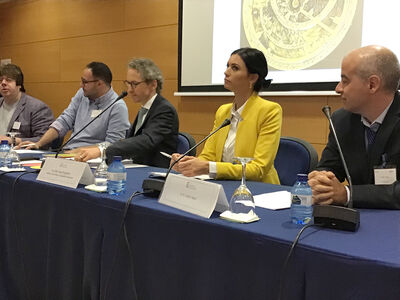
(332,216)
(123,95)
(154,186)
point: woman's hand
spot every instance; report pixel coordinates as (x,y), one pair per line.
(190,165)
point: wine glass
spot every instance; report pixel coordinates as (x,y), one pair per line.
(100,175)
(12,156)
(242,200)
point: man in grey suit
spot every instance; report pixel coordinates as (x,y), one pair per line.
(20,112)
(156,125)
(368,129)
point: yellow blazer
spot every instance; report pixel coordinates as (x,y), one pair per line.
(257,136)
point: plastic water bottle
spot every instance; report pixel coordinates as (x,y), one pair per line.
(116,176)
(4,150)
(301,209)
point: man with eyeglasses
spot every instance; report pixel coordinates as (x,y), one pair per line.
(156,125)
(20,112)
(95,95)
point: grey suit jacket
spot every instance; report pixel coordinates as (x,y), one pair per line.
(34,115)
(351,136)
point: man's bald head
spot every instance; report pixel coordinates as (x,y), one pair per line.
(379,61)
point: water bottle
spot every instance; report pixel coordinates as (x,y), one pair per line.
(4,149)
(301,209)
(116,176)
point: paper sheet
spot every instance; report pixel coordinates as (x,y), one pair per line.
(162,175)
(24,151)
(274,200)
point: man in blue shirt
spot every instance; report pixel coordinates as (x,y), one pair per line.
(155,128)
(92,98)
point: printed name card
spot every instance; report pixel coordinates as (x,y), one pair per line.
(65,172)
(194,196)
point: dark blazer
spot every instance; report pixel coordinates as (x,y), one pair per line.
(159,132)
(34,115)
(351,136)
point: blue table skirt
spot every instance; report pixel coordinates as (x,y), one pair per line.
(58,243)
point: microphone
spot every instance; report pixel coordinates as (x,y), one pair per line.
(123,95)
(154,186)
(332,216)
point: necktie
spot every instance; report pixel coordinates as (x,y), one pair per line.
(371,133)
(141,115)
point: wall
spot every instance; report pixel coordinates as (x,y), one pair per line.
(52,41)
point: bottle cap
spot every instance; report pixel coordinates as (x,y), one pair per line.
(4,142)
(117,158)
(302,177)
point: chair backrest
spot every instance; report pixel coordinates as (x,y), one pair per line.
(185,142)
(295,156)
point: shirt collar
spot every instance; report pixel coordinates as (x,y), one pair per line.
(102,100)
(149,102)
(379,119)
(238,113)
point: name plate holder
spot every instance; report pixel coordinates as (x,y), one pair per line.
(194,196)
(65,172)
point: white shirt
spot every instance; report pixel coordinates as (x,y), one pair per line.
(229,147)
(148,105)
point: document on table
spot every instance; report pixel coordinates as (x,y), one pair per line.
(93,163)
(24,151)
(274,200)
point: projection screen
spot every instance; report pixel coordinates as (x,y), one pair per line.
(304,40)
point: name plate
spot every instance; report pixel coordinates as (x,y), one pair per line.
(65,172)
(194,196)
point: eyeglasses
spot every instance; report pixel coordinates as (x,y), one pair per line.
(133,84)
(84,81)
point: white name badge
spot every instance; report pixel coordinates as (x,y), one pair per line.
(65,172)
(194,196)
(95,113)
(16,125)
(385,176)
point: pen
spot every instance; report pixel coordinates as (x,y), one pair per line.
(166,154)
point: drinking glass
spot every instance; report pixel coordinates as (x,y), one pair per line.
(100,175)
(242,200)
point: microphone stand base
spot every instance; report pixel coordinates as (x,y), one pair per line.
(337,217)
(153,186)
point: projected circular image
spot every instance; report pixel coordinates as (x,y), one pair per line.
(296,34)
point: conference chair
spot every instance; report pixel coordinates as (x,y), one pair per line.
(295,156)
(185,142)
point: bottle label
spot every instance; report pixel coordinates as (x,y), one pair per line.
(116,176)
(305,200)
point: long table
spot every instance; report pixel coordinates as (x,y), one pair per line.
(62,243)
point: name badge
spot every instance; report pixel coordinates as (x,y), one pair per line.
(386,175)
(16,125)
(95,113)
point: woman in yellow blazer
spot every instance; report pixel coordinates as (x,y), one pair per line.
(255,126)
